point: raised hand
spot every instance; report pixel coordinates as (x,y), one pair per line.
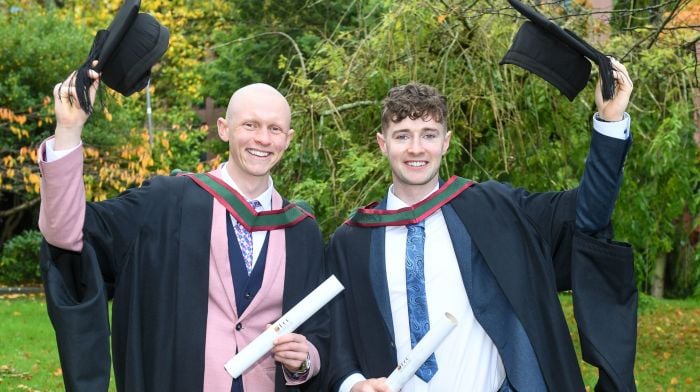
(614,109)
(70,118)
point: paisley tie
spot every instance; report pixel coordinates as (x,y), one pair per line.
(418,320)
(245,239)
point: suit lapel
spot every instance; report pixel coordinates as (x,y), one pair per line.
(377,276)
(462,248)
(219,251)
(482,221)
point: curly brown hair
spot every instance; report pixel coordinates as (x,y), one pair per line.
(414,100)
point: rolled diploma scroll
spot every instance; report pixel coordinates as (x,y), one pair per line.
(286,324)
(430,342)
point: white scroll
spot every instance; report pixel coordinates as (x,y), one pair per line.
(286,324)
(430,342)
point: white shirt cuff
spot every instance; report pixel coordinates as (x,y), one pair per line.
(54,155)
(350,381)
(615,129)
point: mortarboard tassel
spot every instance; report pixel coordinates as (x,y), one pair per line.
(606,77)
(82,79)
(604,66)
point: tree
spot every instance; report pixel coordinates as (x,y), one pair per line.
(29,67)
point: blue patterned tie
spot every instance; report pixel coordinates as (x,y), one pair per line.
(418,320)
(245,239)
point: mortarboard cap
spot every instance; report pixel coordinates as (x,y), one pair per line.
(126,51)
(556,55)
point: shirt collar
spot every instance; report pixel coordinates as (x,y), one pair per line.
(394,203)
(264,198)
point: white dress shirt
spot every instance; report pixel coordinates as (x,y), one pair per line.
(467,359)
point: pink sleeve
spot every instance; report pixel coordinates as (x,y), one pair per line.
(313,370)
(62,211)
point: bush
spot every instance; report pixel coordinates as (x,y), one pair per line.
(19,261)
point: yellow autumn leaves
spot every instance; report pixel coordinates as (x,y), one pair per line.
(17,171)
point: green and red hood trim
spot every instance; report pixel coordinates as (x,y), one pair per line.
(238,206)
(371,217)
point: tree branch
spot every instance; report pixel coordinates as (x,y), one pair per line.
(683,27)
(670,16)
(657,31)
(690,45)
(16,209)
(346,107)
(499,11)
(285,35)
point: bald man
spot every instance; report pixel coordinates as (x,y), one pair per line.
(195,270)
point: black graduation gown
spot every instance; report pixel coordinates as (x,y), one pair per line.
(148,249)
(530,245)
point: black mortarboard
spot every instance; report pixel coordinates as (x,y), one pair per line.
(126,51)
(557,55)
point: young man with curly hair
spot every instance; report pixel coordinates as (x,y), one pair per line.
(492,255)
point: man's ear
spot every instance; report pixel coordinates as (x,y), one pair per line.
(446,142)
(290,135)
(382,142)
(222,128)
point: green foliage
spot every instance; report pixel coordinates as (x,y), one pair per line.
(31,65)
(19,260)
(662,175)
(652,12)
(268,41)
(30,60)
(178,149)
(335,62)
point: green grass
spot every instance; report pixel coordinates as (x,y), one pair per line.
(28,356)
(668,348)
(668,345)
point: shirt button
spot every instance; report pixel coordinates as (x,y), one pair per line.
(239,327)
(391,344)
(247,295)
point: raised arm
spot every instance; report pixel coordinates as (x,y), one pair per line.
(602,271)
(602,176)
(62,211)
